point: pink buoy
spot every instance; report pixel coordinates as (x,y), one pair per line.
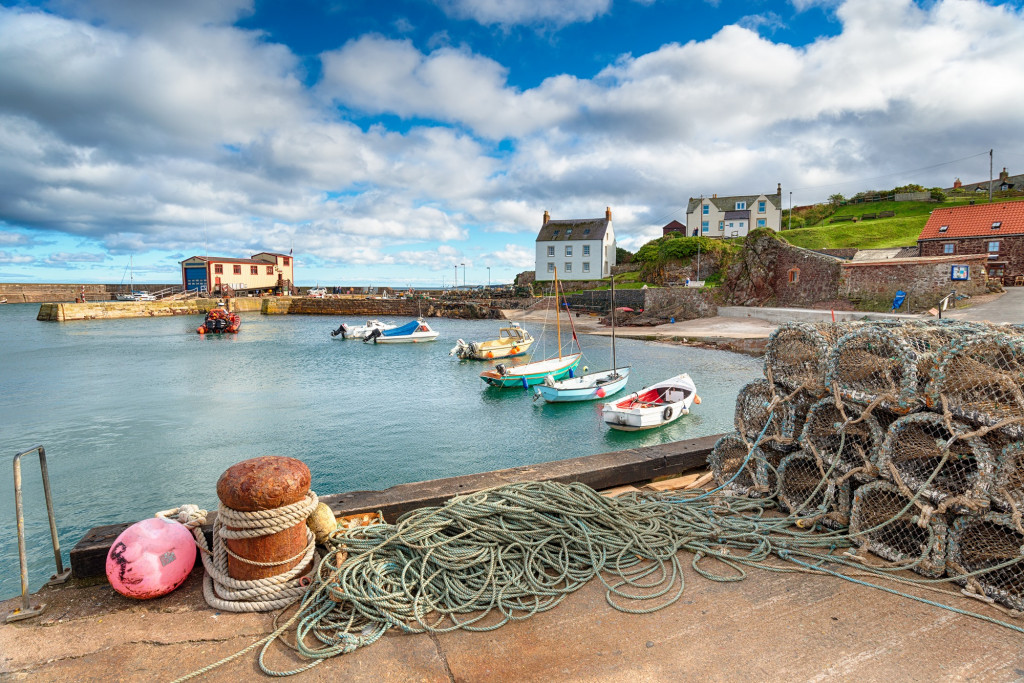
(151,558)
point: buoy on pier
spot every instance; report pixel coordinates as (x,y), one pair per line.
(151,558)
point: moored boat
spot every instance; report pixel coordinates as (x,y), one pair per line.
(529,374)
(360,331)
(512,340)
(220,321)
(415,331)
(653,406)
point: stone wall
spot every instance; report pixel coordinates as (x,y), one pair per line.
(403,308)
(99,310)
(599,300)
(872,285)
(764,274)
(31,293)
(1011,251)
(681,303)
(803,277)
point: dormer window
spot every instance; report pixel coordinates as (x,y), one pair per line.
(554,235)
(568,231)
(586,231)
(997,225)
(943,228)
(740,206)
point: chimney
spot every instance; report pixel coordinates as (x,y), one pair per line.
(608,213)
(1004,175)
(714,196)
(547,217)
(957,184)
(778,190)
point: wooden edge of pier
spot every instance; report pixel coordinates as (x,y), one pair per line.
(601,471)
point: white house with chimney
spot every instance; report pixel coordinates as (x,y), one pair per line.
(580,248)
(726,217)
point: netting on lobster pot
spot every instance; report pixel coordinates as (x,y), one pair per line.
(795,354)
(981,380)
(946,467)
(1008,489)
(759,401)
(888,524)
(889,363)
(993,546)
(803,489)
(729,463)
(766,474)
(843,443)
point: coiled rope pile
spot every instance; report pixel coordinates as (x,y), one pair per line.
(505,554)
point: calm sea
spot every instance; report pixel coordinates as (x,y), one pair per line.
(143,414)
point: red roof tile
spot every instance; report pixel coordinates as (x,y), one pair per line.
(975,221)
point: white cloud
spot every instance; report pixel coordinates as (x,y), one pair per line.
(513,12)
(8,257)
(512,255)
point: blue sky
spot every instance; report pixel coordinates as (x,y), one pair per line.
(387,142)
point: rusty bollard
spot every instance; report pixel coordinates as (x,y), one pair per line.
(265,483)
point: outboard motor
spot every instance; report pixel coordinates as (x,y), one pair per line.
(340,330)
(500,368)
(372,336)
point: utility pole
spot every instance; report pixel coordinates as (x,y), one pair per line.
(990,176)
(488,277)
(455,282)
(790,210)
(463,274)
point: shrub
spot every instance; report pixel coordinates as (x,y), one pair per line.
(937,194)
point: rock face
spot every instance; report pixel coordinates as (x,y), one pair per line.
(751,281)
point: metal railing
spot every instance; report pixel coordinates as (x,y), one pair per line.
(27,610)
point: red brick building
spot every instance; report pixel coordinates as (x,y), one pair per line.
(995,230)
(674,226)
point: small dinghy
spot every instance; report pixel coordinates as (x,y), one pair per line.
(654,406)
(360,331)
(416,331)
(220,321)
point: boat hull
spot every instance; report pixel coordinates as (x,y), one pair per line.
(530,374)
(413,338)
(656,406)
(584,388)
(499,351)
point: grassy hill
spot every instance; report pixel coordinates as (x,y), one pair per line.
(875,233)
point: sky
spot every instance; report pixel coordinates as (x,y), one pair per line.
(401,142)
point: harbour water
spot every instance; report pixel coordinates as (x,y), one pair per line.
(139,415)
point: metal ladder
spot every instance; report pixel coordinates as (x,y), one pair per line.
(27,611)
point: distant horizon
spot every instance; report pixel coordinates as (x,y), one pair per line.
(415,136)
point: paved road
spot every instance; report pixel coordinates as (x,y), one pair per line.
(1009,308)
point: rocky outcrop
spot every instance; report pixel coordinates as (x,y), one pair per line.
(751,280)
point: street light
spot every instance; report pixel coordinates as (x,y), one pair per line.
(455,282)
(488,277)
(463,274)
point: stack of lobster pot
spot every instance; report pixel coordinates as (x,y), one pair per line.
(907,434)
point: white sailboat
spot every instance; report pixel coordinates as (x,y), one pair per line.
(132,294)
(589,386)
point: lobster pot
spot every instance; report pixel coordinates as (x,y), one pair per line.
(803,489)
(843,445)
(766,474)
(981,380)
(754,408)
(994,546)
(796,353)
(915,453)
(890,363)
(884,520)
(1008,490)
(727,458)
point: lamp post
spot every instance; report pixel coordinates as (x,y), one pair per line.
(488,277)
(463,274)
(455,282)
(790,227)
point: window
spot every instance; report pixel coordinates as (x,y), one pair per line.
(705,209)
(762,222)
(270,270)
(551,267)
(586,250)
(948,248)
(236,269)
(740,206)
(568,266)
(254,270)
(794,276)
(703,226)
(993,246)
(997,225)
(285,260)
(568,231)
(551,251)
(762,207)
(743,224)
(218,268)
(721,225)
(587,231)
(943,228)
(554,234)
(568,250)
(732,225)
(586,266)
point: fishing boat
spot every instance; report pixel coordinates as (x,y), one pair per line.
(220,321)
(528,374)
(653,406)
(512,341)
(360,331)
(589,385)
(413,332)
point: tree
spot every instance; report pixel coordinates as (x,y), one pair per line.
(623,255)
(836,199)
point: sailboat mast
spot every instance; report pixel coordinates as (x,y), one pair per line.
(614,367)
(558,316)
